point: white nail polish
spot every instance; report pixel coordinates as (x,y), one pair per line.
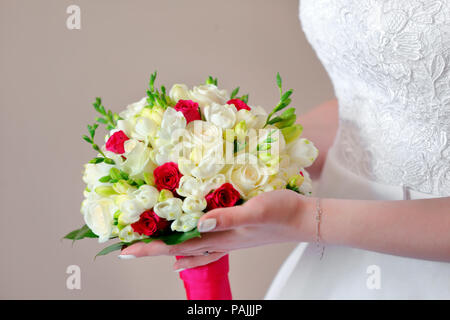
(179,270)
(126,256)
(207,225)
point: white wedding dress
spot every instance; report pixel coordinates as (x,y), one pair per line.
(389,61)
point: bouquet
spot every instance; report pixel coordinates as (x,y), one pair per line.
(172,156)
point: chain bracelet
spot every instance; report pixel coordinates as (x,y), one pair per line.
(319,245)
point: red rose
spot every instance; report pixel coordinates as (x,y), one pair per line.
(167,176)
(224,196)
(189,109)
(239,104)
(149,223)
(116,141)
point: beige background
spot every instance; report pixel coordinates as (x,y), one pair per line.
(49,78)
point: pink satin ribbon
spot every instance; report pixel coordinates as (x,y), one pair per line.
(208,282)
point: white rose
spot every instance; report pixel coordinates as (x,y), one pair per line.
(208,94)
(179,91)
(133,109)
(147,196)
(131,209)
(98,215)
(303,152)
(137,156)
(193,205)
(202,133)
(190,187)
(222,116)
(169,209)
(128,235)
(247,174)
(93,172)
(186,222)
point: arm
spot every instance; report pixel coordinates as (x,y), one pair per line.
(413,228)
(320,125)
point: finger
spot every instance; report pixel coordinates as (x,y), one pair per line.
(192,262)
(215,241)
(142,249)
(227,218)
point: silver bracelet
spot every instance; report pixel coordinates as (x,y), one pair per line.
(319,244)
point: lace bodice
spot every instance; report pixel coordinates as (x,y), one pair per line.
(389,61)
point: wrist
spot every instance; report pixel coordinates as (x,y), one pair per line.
(304,219)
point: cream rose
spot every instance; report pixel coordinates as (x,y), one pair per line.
(208,94)
(247,174)
(98,214)
(147,196)
(222,116)
(179,91)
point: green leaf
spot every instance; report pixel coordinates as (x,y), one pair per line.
(83,232)
(286,95)
(105,179)
(245,98)
(275,120)
(179,237)
(234,93)
(279,82)
(111,248)
(287,113)
(115,173)
(109,161)
(101,120)
(87,139)
(97,160)
(282,105)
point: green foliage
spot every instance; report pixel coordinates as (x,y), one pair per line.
(234,93)
(81,233)
(211,80)
(156,97)
(111,248)
(287,118)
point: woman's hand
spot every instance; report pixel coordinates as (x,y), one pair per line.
(272,217)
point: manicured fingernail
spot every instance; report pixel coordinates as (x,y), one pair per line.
(126,256)
(207,225)
(179,270)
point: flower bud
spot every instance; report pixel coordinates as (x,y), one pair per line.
(121,187)
(149,178)
(241,130)
(164,195)
(105,191)
(292,133)
(296,181)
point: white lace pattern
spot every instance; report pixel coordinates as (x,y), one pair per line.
(389,61)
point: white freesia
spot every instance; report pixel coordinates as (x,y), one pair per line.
(186,222)
(303,152)
(208,94)
(179,91)
(169,209)
(252,120)
(147,196)
(192,205)
(134,109)
(171,122)
(128,235)
(306,187)
(144,129)
(137,156)
(222,116)
(209,166)
(98,214)
(93,172)
(130,208)
(247,174)
(190,187)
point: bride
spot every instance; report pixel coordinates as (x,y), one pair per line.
(384,211)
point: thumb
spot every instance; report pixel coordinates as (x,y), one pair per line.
(226,218)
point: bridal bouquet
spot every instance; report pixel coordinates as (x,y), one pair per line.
(172,156)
